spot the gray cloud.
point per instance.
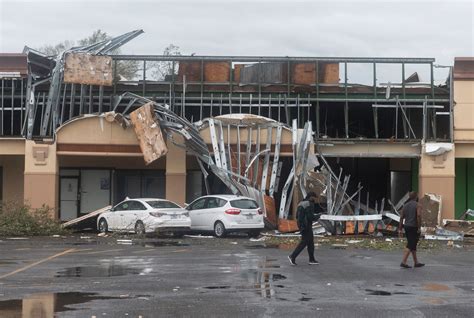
(440, 29)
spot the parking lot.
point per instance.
(86, 276)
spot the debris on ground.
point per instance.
(461, 226)
(87, 219)
(445, 235)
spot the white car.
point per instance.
(226, 213)
(144, 216)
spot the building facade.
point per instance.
(384, 122)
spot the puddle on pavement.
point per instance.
(262, 283)
(361, 256)
(433, 300)
(98, 271)
(281, 246)
(435, 287)
(305, 299)
(378, 292)
(373, 292)
(46, 305)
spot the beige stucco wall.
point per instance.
(436, 175)
(464, 111)
(12, 146)
(41, 176)
(176, 173)
(95, 130)
(13, 167)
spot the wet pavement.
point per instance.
(232, 277)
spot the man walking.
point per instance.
(411, 214)
(305, 217)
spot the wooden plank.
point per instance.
(237, 69)
(303, 73)
(83, 68)
(191, 69)
(87, 216)
(270, 210)
(330, 75)
(148, 131)
(216, 72)
(287, 226)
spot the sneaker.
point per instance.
(404, 265)
(313, 262)
(292, 261)
(419, 265)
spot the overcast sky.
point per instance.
(379, 28)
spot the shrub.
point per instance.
(21, 220)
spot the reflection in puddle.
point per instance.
(435, 287)
(262, 283)
(98, 271)
(378, 292)
(46, 305)
(161, 243)
(281, 246)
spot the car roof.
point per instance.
(226, 196)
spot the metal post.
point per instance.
(13, 108)
(3, 106)
(144, 78)
(396, 117)
(21, 107)
(101, 98)
(81, 100)
(72, 101)
(91, 101)
(63, 106)
(346, 106)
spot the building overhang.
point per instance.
(12, 146)
(369, 149)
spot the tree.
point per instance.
(165, 68)
(126, 69)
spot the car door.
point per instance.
(132, 215)
(212, 212)
(196, 213)
(115, 218)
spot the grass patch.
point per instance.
(21, 220)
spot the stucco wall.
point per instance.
(464, 111)
(13, 167)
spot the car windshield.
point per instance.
(162, 204)
(244, 204)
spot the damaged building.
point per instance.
(376, 127)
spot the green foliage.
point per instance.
(21, 220)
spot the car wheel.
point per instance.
(254, 233)
(219, 229)
(103, 226)
(139, 228)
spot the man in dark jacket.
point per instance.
(411, 214)
(305, 217)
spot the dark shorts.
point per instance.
(412, 236)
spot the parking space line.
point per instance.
(144, 251)
(38, 262)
